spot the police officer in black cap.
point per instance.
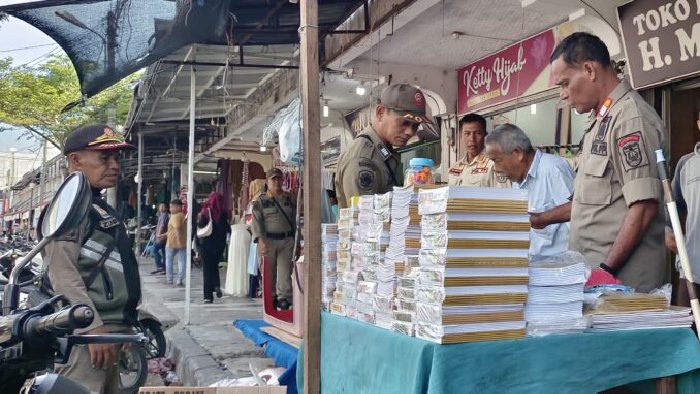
(273, 228)
(94, 264)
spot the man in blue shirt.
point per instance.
(548, 179)
(686, 192)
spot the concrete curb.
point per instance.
(195, 365)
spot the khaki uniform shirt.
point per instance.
(367, 166)
(616, 167)
(479, 172)
(268, 219)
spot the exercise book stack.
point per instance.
(329, 261)
(472, 283)
(635, 311)
(365, 256)
(346, 277)
(404, 200)
(381, 271)
(555, 295)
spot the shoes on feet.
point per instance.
(170, 282)
(157, 271)
(179, 283)
(208, 301)
(283, 305)
(217, 290)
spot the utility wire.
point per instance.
(25, 48)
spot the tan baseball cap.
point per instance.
(405, 100)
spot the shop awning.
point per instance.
(109, 39)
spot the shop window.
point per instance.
(538, 120)
(429, 150)
(578, 126)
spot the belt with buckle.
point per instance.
(279, 235)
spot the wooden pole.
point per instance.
(309, 71)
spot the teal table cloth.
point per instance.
(360, 358)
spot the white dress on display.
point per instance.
(237, 271)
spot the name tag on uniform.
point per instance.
(479, 170)
(457, 170)
(109, 223)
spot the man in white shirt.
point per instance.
(548, 179)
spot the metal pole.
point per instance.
(112, 122)
(139, 180)
(42, 186)
(680, 238)
(190, 197)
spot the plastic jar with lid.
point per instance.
(419, 172)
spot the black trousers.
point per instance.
(210, 271)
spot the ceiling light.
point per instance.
(263, 148)
(203, 172)
(533, 109)
(360, 90)
(325, 109)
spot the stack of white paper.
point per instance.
(329, 260)
(673, 317)
(473, 275)
(555, 299)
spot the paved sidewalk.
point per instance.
(209, 348)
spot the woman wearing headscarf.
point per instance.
(212, 246)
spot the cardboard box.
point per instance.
(214, 390)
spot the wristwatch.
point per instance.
(608, 269)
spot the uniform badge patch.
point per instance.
(101, 211)
(501, 178)
(600, 144)
(632, 151)
(365, 179)
(479, 170)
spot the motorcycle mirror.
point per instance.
(69, 206)
(67, 210)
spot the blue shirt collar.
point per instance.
(532, 172)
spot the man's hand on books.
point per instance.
(601, 277)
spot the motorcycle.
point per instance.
(133, 362)
(33, 339)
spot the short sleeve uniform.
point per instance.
(479, 172)
(616, 167)
(367, 166)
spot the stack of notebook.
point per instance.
(673, 317)
(632, 311)
(555, 295)
(473, 277)
(344, 294)
(329, 261)
(366, 253)
(380, 272)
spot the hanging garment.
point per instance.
(237, 270)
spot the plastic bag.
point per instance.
(287, 124)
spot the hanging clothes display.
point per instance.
(237, 270)
(223, 185)
(245, 184)
(327, 179)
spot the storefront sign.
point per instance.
(661, 39)
(359, 120)
(521, 68)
